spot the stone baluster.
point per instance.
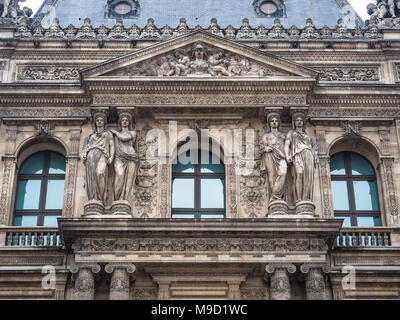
(280, 288)
(120, 280)
(84, 281)
(315, 281)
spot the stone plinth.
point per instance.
(277, 208)
(93, 208)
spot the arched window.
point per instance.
(198, 190)
(354, 190)
(40, 190)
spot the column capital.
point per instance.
(129, 268)
(272, 267)
(305, 268)
(94, 267)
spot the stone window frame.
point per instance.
(44, 177)
(352, 213)
(197, 177)
(367, 149)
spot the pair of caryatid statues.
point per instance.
(111, 162)
(295, 151)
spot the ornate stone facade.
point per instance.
(277, 102)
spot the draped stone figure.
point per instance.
(273, 158)
(98, 154)
(300, 152)
(126, 158)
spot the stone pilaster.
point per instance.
(163, 291)
(234, 291)
(390, 198)
(315, 281)
(280, 283)
(120, 280)
(84, 281)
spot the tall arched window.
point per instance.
(40, 190)
(354, 190)
(198, 190)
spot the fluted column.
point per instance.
(280, 288)
(84, 281)
(120, 280)
(315, 281)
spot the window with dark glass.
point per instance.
(354, 190)
(198, 190)
(40, 190)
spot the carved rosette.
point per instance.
(84, 282)
(120, 280)
(315, 281)
(280, 288)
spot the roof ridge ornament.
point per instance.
(11, 13)
(385, 14)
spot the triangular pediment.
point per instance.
(199, 55)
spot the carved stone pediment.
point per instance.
(199, 55)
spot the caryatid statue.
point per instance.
(273, 158)
(98, 154)
(301, 153)
(126, 159)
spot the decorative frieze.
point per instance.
(48, 73)
(41, 113)
(199, 245)
(196, 99)
(145, 293)
(349, 74)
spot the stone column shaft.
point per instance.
(315, 281)
(280, 285)
(119, 286)
(120, 280)
(84, 285)
(280, 288)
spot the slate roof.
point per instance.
(200, 12)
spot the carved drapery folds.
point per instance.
(84, 281)
(110, 160)
(280, 288)
(292, 156)
(120, 280)
(315, 281)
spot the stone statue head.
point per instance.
(125, 120)
(274, 120)
(198, 51)
(99, 120)
(298, 119)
